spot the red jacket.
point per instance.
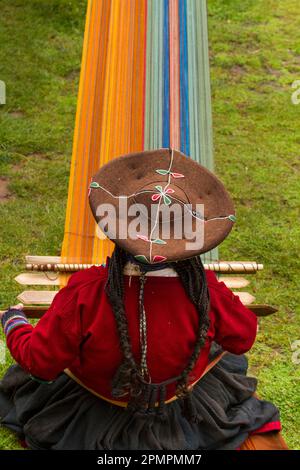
(79, 330)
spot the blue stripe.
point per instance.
(11, 326)
(184, 98)
(166, 83)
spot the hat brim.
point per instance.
(135, 179)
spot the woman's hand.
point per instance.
(18, 307)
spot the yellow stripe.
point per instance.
(96, 129)
(98, 247)
(66, 242)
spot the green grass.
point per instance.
(255, 57)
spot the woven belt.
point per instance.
(124, 404)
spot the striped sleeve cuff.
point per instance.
(13, 318)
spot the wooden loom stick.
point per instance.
(38, 278)
(260, 310)
(35, 297)
(51, 278)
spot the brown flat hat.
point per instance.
(160, 205)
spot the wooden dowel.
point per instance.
(260, 310)
(222, 267)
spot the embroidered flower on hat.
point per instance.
(162, 193)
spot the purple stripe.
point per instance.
(12, 323)
(11, 327)
(14, 318)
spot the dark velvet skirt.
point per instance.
(64, 415)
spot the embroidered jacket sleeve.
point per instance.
(45, 350)
(235, 324)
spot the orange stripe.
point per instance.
(98, 246)
(110, 114)
(117, 80)
(80, 156)
(138, 79)
(83, 136)
(66, 247)
(78, 115)
(84, 156)
(101, 59)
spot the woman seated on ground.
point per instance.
(146, 352)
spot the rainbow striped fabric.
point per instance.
(144, 84)
(13, 318)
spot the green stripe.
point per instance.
(154, 74)
(199, 97)
(199, 92)
(205, 119)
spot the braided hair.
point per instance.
(192, 275)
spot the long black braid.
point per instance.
(192, 275)
(125, 377)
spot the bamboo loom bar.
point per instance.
(221, 266)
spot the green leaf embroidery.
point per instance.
(167, 200)
(158, 241)
(94, 184)
(162, 172)
(232, 218)
(142, 259)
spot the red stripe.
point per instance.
(273, 426)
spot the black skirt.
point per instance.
(64, 415)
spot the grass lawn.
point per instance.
(255, 57)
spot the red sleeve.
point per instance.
(235, 324)
(46, 350)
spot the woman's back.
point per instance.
(81, 333)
